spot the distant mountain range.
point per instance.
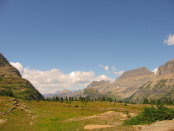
(12, 84)
(62, 93)
(123, 87)
(135, 85)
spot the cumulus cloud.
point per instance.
(155, 70)
(170, 40)
(53, 80)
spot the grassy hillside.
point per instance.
(12, 84)
(18, 87)
(23, 115)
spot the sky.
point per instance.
(66, 44)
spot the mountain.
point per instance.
(121, 88)
(166, 69)
(6, 69)
(160, 87)
(62, 93)
(96, 89)
(12, 84)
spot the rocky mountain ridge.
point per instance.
(6, 69)
(122, 87)
(161, 87)
(167, 68)
(136, 73)
(62, 93)
(12, 84)
(136, 85)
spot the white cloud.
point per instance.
(170, 40)
(54, 80)
(155, 70)
(103, 77)
(18, 66)
(106, 68)
(112, 70)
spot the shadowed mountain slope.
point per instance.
(12, 84)
(160, 87)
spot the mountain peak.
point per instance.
(167, 68)
(136, 72)
(97, 83)
(11, 81)
(6, 69)
(3, 60)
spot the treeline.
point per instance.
(163, 101)
(81, 98)
(166, 101)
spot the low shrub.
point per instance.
(151, 114)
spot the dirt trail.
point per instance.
(105, 115)
(2, 121)
(167, 125)
(92, 127)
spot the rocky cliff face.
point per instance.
(166, 69)
(12, 84)
(160, 87)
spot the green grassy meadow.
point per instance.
(23, 115)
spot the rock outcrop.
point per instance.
(12, 84)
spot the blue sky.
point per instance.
(80, 35)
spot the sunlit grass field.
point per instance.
(54, 116)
